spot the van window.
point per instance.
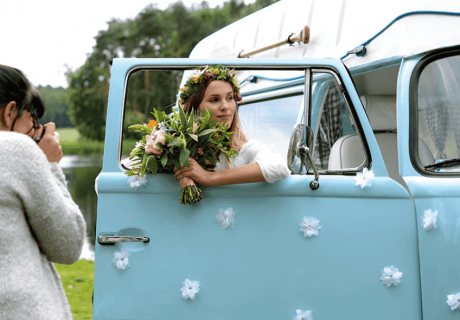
(145, 90)
(271, 122)
(439, 115)
(337, 144)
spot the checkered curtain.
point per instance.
(455, 124)
(437, 121)
(330, 129)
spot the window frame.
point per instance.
(270, 93)
(413, 112)
(359, 131)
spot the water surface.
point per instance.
(81, 172)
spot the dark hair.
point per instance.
(14, 86)
(37, 108)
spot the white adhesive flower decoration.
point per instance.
(136, 181)
(225, 218)
(364, 179)
(309, 226)
(190, 289)
(429, 219)
(453, 301)
(303, 315)
(390, 275)
(120, 259)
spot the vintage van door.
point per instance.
(264, 267)
(430, 122)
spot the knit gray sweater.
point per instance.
(39, 224)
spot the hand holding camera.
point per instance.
(48, 141)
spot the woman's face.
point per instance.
(219, 97)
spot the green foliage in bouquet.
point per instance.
(170, 141)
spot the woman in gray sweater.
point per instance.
(39, 222)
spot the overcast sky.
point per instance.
(42, 37)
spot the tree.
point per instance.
(87, 97)
(56, 107)
(154, 33)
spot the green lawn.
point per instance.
(78, 280)
(74, 144)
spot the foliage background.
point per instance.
(154, 33)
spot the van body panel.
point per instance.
(337, 27)
(439, 263)
(263, 267)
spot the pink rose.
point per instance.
(152, 140)
(160, 137)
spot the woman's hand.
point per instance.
(49, 145)
(195, 172)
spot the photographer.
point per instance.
(39, 222)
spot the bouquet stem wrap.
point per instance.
(190, 193)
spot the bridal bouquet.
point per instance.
(170, 140)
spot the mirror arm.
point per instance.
(305, 152)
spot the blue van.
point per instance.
(366, 226)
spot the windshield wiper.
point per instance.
(446, 163)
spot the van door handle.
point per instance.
(109, 239)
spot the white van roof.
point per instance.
(338, 26)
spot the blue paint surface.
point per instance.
(264, 267)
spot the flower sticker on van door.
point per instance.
(136, 181)
(429, 219)
(391, 275)
(120, 259)
(364, 179)
(189, 289)
(225, 218)
(309, 226)
(453, 301)
(303, 315)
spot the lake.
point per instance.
(81, 172)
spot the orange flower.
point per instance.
(195, 78)
(151, 124)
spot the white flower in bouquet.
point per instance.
(190, 289)
(390, 275)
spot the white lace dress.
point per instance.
(272, 165)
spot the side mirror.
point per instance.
(299, 155)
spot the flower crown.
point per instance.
(201, 77)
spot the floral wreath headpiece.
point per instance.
(201, 77)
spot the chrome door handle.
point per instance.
(116, 239)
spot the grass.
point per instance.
(78, 280)
(73, 143)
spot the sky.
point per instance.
(44, 38)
